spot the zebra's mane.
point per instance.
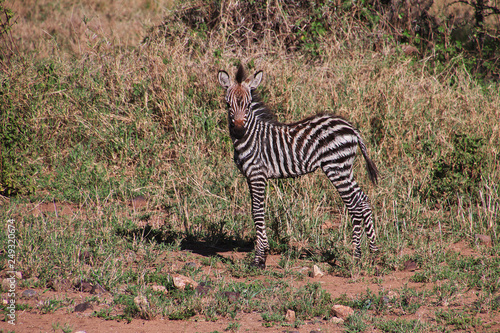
(261, 110)
(240, 74)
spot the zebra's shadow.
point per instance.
(216, 245)
(226, 250)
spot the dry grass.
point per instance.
(98, 118)
(166, 89)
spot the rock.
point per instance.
(141, 302)
(181, 282)
(59, 285)
(19, 275)
(484, 239)
(410, 50)
(28, 293)
(232, 296)
(82, 307)
(391, 294)
(290, 316)
(97, 289)
(159, 289)
(410, 266)
(336, 320)
(316, 272)
(202, 289)
(84, 286)
(190, 265)
(80, 332)
(342, 311)
(9, 284)
(139, 202)
(86, 257)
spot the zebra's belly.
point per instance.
(292, 171)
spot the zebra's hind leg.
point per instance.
(257, 187)
(358, 207)
(369, 228)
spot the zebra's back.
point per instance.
(291, 150)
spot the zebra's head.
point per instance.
(239, 98)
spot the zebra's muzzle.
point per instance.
(237, 129)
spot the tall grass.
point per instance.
(100, 109)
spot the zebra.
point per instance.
(265, 149)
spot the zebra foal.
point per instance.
(265, 148)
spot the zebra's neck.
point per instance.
(260, 111)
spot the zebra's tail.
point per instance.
(370, 166)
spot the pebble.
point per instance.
(181, 282)
(159, 289)
(317, 273)
(290, 316)
(97, 289)
(29, 293)
(232, 296)
(83, 307)
(410, 266)
(342, 311)
(484, 239)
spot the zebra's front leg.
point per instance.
(257, 187)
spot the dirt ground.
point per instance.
(30, 321)
(33, 321)
(66, 319)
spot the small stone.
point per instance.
(232, 296)
(59, 285)
(80, 332)
(159, 289)
(391, 294)
(190, 265)
(342, 311)
(86, 257)
(8, 284)
(82, 307)
(181, 282)
(316, 272)
(336, 320)
(410, 50)
(141, 302)
(410, 266)
(97, 289)
(290, 316)
(484, 239)
(139, 202)
(202, 289)
(84, 286)
(28, 293)
(19, 275)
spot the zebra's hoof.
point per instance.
(259, 265)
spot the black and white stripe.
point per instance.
(265, 148)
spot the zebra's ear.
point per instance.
(255, 81)
(224, 79)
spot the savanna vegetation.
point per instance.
(112, 111)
